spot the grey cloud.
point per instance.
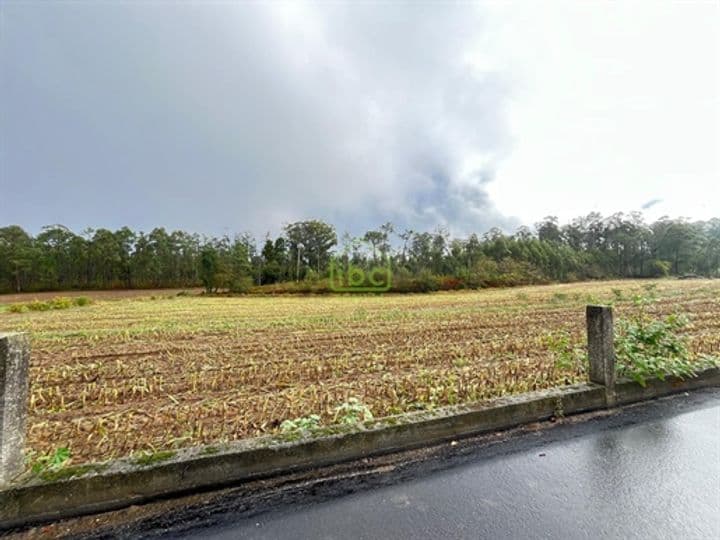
(214, 117)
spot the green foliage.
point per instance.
(567, 355)
(51, 462)
(658, 268)
(353, 411)
(425, 281)
(59, 302)
(589, 247)
(311, 276)
(300, 425)
(647, 347)
(241, 284)
(209, 269)
(309, 245)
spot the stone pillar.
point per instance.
(14, 386)
(601, 349)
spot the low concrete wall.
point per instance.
(124, 482)
(631, 392)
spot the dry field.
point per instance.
(130, 374)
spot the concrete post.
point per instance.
(601, 349)
(14, 387)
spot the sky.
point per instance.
(225, 117)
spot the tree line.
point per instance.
(588, 247)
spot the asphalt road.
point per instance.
(649, 472)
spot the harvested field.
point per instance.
(130, 374)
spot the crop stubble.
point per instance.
(135, 374)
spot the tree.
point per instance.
(209, 268)
(374, 238)
(17, 257)
(548, 230)
(620, 245)
(310, 243)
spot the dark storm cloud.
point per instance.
(214, 117)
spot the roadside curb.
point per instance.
(125, 482)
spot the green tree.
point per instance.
(310, 244)
(210, 268)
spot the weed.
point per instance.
(303, 424)
(51, 462)
(353, 411)
(567, 355)
(460, 362)
(648, 348)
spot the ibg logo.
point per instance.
(355, 279)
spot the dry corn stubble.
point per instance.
(134, 374)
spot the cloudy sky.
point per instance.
(227, 117)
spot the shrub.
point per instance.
(321, 286)
(59, 302)
(37, 305)
(241, 284)
(449, 283)
(658, 268)
(425, 281)
(311, 276)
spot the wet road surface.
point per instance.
(649, 472)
